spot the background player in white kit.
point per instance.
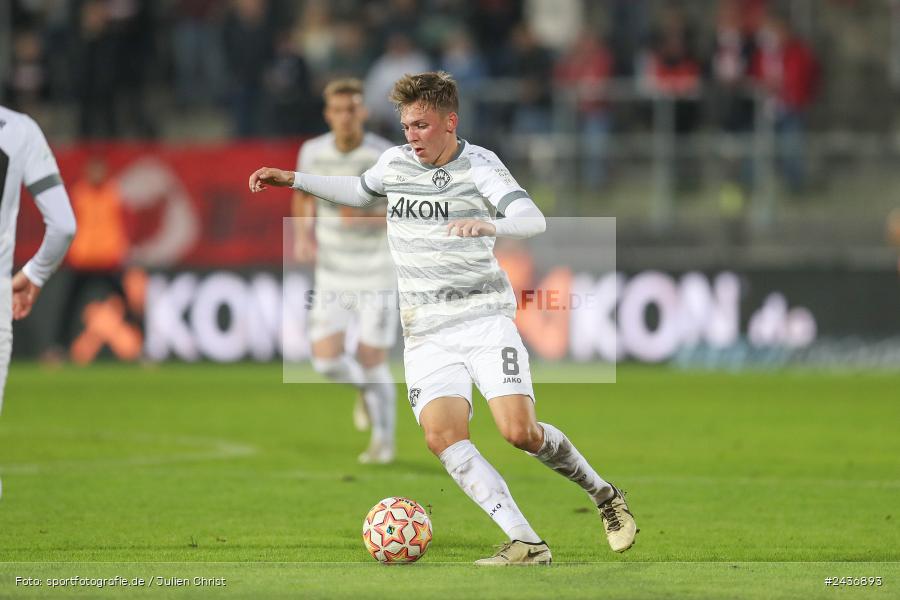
(26, 158)
(354, 275)
(444, 197)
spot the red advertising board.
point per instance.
(185, 205)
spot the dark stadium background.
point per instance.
(659, 114)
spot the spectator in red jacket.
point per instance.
(671, 72)
(585, 68)
(786, 68)
(733, 49)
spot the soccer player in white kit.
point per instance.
(25, 157)
(445, 197)
(354, 273)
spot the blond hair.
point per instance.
(435, 89)
(348, 85)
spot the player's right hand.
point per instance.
(267, 176)
(24, 293)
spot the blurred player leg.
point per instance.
(329, 322)
(330, 360)
(361, 420)
(5, 333)
(380, 396)
(5, 352)
(5, 340)
(378, 333)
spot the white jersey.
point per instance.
(25, 157)
(348, 257)
(444, 280)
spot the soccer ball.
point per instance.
(397, 530)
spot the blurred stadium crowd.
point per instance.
(264, 61)
(570, 91)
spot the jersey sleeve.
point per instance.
(494, 181)
(41, 170)
(372, 181)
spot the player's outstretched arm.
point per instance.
(345, 190)
(46, 187)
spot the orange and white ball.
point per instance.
(397, 530)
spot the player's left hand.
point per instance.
(24, 294)
(471, 228)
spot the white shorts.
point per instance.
(375, 316)
(487, 351)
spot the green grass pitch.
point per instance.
(744, 486)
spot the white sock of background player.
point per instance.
(558, 453)
(482, 483)
(343, 369)
(381, 400)
(379, 395)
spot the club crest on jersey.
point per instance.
(414, 396)
(440, 179)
